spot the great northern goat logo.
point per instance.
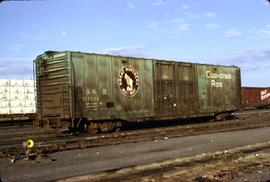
(128, 81)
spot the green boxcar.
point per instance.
(101, 91)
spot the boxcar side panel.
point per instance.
(133, 88)
(219, 88)
(78, 82)
(117, 96)
(186, 89)
(104, 79)
(165, 91)
(52, 80)
(96, 92)
(114, 87)
(255, 96)
(175, 90)
(91, 102)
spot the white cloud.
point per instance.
(64, 34)
(184, 27)
(265, 3)
(16, 67)
(232, 33)
(159, 2)
(201, 16)
(42, 32)
(17, 47)
(210, 14)
(251, 31)
(177, 20)
(212, 26)
(43, 35)
(184, 6)
(39, 38)
(264, 33)
(134, 51)
(254, 65)
(195, 16)
(249, 59)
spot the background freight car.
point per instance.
(17, 100)
(255, 97)
(100, 91)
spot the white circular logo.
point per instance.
(128, 81)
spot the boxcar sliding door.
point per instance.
(174, 89)
(165, 91)
(186, 102)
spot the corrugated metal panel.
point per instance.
(174, 89)
(53, 78)
(219, 88)
(102, 91)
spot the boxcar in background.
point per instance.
(17, 100)
(99, 92)
(255, 97)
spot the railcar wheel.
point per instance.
(82, 126)
(222, 116)
(92, 128)
(107, 126)
(92, 131)
(118, 125)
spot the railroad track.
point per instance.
(10, 120)
(251, 112)
(13, 137)
(60, 142)
(18, 140)
(224, 165)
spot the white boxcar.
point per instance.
(4, 82)
(16, 83)
(29, 83)
(17, 96)
(5, 111)
(29, 90)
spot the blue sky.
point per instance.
(227, 32)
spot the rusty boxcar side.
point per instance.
(103, 90)
(193, 90)
(255, 97)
